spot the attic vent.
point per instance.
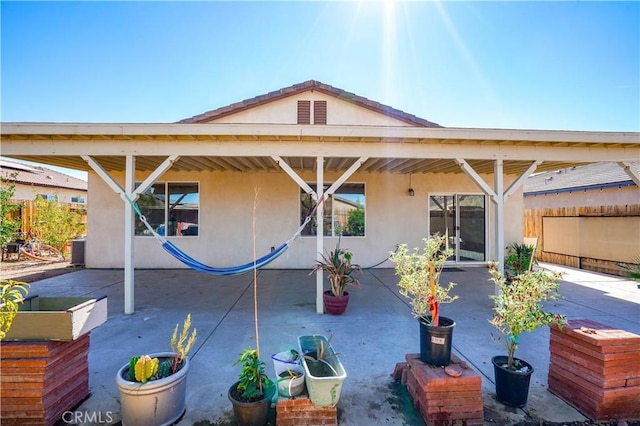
(304, 112)
(320, 112)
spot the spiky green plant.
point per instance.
(337, 264)
(631, 268)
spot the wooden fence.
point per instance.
(534, 227)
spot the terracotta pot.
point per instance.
(335, 305)
(250, 413)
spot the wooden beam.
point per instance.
(626, 166)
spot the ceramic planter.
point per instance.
(435, 342)
(335, 305)
(512, 387)
(324, 391)
(157, 402)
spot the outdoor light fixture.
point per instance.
(411, 191)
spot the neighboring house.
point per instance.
(297, 145)
(586, 216)
(30, 181)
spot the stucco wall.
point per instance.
(226, 203)
(284, 111)
(29, 192)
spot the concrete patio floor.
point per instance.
(372, 336)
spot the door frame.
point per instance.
(456, 260)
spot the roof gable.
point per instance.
(309, 86)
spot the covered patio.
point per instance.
(372, 336)
(127, 159)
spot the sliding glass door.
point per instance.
(462, 218)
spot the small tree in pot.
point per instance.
(419, 271)
(251, 394)
(518, 309)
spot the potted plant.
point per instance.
(337, 264)
(520, 258)
(153, 387)
(251, 394)
(419, 271)
(518, 309)
(289, 373)
(324, 373)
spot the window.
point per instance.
(344, 211)
(49, 197)
(79, 200)
(171, 208)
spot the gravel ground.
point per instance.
(35, 270)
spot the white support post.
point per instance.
(499, 214)
(319, 232)
(626, 166)
(129, 271)
(130, 193)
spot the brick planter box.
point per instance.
(441, 399)
(301, 412)
(41, 380)
(596, 369)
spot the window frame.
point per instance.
(165, 209)
(333, 216)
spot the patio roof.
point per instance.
(249, 147)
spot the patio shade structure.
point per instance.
(154, 149)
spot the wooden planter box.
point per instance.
(596, 369)
(44, 371)
(57, 318)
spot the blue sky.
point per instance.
(526, 65)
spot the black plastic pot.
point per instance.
(512, 387)
(435, 342)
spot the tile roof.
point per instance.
(39, 176)
(307, 86)
(595, 176)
